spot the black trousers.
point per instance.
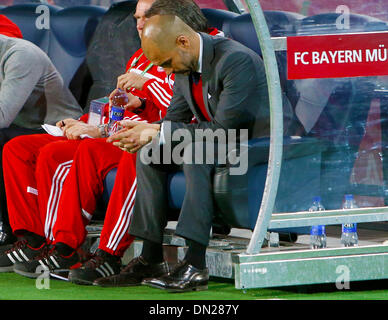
(151, 211)
(7, 134)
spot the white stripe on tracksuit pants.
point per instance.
(121, 227)
(55, 193)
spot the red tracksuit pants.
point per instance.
(53, 185)
(83, 187)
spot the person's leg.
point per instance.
(115, 238)
(6, 134)
(20, 161)
(49, 161)
(151, 205)
(148, 221)
(83, 186)
(197, 212)
(53, 166)
(194, 224)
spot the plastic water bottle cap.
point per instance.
(348, 197)
(317, 199)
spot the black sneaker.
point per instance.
(102, 265)
(49, 260)
(18, 252)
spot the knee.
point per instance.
(198, 173)
(16, 143)
(54, 152)
(17, 147)
(90, 147)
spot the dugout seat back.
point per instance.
(335, 111)
(219, 19)
(26, 17)
(71, 31)
(280, 24)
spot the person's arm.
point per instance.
(22, 71)
(178, 111)
(156, 91)
(159, 93)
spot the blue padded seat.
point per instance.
(280, 24)
(108, 184)
(218, 18)
(25, 16)
(71, 31)
(238, 197)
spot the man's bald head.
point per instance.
(164, 31)
(165, 36)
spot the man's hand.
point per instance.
(66, 123)
(75, 130)
(134, 135)
(133, 101)
(131, 80)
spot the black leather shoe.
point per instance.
(134, 273)
(183, 278)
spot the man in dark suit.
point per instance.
(223, 84)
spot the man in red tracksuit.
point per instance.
(69, 178)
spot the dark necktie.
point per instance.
(195, 77)
(197, 94)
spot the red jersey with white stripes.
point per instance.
(157, 90)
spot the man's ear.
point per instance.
(183, 42)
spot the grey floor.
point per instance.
(368, 233)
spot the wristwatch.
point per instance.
(103, 128)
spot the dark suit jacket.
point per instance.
(234, 91)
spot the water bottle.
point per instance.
(349, 237)
(317, 233)
(119, 101)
